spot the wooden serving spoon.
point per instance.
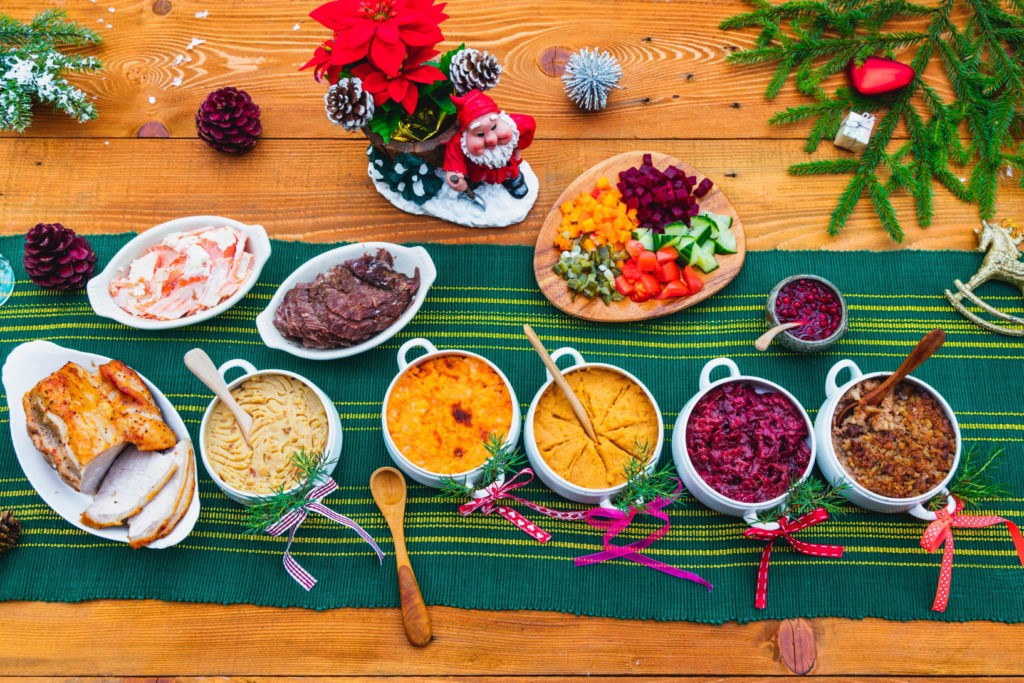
(202, 367)
(765, 339)
(388, 488)
(928, 345)
(556, 374)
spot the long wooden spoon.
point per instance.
(202, 367)
(388, 488)
(928, 345)
(762, 342)
(556, 374)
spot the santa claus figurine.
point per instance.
(488, 147)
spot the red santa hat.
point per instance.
(473, 105)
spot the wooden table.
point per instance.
(306, 180)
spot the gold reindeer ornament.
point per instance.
(1002, 262)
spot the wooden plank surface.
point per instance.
(307, 180)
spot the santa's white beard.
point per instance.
(496, 157)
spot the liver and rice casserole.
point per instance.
(902, 448)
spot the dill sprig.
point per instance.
(978, 45)
(502, 459)
(806, 496)
(642, 486)
(975, 483)
(311, 470)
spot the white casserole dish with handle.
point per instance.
(833, 469)
(332, 448)
(424, 476)
(694, 483)
(556, 482)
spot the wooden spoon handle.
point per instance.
(414, 611)
(928, 345)
(765, 339)
(556, 374)
(202, 367)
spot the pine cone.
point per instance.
(348, 105)
(10, 531)
(474, 69)
(589, 77)
(57, 258)
(228, 120)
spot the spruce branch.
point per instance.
(501, 460)
(976, 482)
(807, 496)
(310, 470)
(643, 487)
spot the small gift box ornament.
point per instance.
(855, 131)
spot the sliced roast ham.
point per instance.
(159, 517)
(131, 482)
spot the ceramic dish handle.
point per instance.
(750, 517)
(921, 512)
(577, 359)
(712, 365)
(418, 342)
(473, 479)
(831, 387)
(245, 365)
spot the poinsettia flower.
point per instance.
(382, 31)
(325, 63)
(404, 86)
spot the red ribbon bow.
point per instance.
(618, 520)
(785, 530)
(941, 531)
(488, 503)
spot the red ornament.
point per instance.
(879, 75)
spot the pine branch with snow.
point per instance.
(32, 68)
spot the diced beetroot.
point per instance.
(660, 197)
(703, 188)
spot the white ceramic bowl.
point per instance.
(414, 471)
(407, 260)
(98, 289)
(833, 470)
(695, 484)
(555, 481)
(332, 450)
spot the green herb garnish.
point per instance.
(311, 470)
(503, 459)
(644, 487)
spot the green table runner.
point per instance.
(482, 297)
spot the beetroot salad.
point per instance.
(747, 446)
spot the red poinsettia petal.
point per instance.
(338, 14)
(398, 88)
(416, 31)
(424, 74)
(387, 57)
(412, 96)
(388, 32)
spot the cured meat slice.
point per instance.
(159, 517)
(133, 480)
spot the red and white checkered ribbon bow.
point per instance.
(941, 531)
(294, 519)
(785, 530)
(488, 503)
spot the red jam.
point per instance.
(814, 303)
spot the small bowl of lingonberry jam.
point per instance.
(813, 301)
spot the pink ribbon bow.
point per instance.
(618, 520)
(785, 530)
(294, 519)
(488, 503)
(941, 531)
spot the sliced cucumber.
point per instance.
(722, 222)
(645, 237)
(677, 229)
(685, 248)
(725, 243)
(666, 240)
(703, 257)
(701, 231)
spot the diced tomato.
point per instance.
(624, 286)
(673, 289)
(667, 253)
(647, 287)
(647, 262)
(667, 272)
(692, 280)
(630, 271)
(634, 248)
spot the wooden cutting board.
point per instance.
(546, 254)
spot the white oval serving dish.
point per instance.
(406, 261)
(332, 449)
(24, 367)
(833, 469)
(426, 477)
(694, 483)
(555, 481)
(98, 288)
